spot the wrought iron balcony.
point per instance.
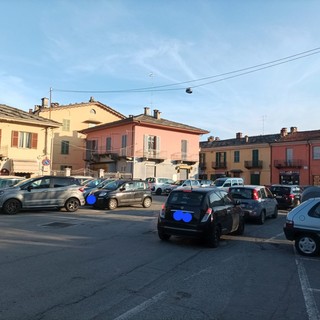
(297, 163)
(257, 164)
(219, 165)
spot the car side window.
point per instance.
(262, 194)
(139, 185)
(227, 184)
(269, 193)
(129, 186)
(315, 211)
(215, 200)
(41, 183)
(61, 182)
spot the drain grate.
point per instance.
(58, 224)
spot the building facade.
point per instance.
(68, 144)
(144, 146)
(25, 141)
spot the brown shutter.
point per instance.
(14, 138)
(34, 140)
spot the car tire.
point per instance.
(147, 202)
(240, 230)
(112, 204)
(275, 213)
(11, 206)
(163, 236)
(262, 217)
(72, 204)
(159, 192)
(307, 245)
(213, 237)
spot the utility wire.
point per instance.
(233, 74)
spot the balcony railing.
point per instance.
(298, 163)
(184, 157)
(151, 154)
(257, 164)
(219, 165)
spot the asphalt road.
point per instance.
(100, 264)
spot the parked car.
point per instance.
(157, 185)
(303, 227)
(310, 192)
(122, 193)
(206, 183)
(84, 179)
(227, 182)
(42, 192)
(9, 181)
(287, 196)
(181, 184)
(205, 213)
(257, 202)
(91, 189)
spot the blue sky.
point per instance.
(115, 46)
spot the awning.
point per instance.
(236, 171)
(30, 166)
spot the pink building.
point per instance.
(144, 146)
(296, 157)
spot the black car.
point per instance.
(205, 213)
(287, 196)
(121, 193)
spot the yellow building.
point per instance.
(24, 142)
(68, 145)
(243, 156)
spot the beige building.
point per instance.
(25, 141)
(68, 145)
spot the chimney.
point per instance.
(239, 135)
(146, 111)
(156, 114)
(45, 103)
(216, 139)
(247, 138)
(283, 132)
(210, 139)
(30, 111)
(91, 99)
(293, 129)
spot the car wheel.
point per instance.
(163, 236)
(146, 202)
(72, 204)
(11, 206)
(240, 229)
(112, 204)
(213, 238)
(158, 191)
(307, 245)
(275, 213)
(262, 218)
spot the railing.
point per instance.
(297, 163)
(256, 164)
(219, 165)
(182, 156)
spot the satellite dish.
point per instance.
(189, 90)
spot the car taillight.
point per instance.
(291, 196)
(255, 195)
(289, 224)
(81, 189)
(207, 215)
(162, 211)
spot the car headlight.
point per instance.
(102, 194)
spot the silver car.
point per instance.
(43, 193)
(303, 227)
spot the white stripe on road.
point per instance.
(311, 306)
(130, 313)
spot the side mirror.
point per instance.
(29, 188)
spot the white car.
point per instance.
(157, 185)
(303, 227)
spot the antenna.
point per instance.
(151, 75)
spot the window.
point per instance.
(316, 153)
(92, 111)
(64, 147)
(108, 144)
(289, 155)
(21, 139)
(236, 156)
(65, 125)
(184, 149)
(124, 145)
(151, 145)
(221, 158)
(255, 157)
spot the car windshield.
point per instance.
(241, 193)
(219, 183)
(186, 198)
(178, 182)
(24, 182)
(114, 185)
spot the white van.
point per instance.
(227, 182)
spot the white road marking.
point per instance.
(137, 309)
(311, 306)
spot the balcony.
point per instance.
(182, 157)
(257, 164)
(219, 165)
(279, 164)
(151, 154)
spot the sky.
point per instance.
(253, 66)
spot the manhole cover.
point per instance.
(58, 224)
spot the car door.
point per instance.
(232, 215)
(139, 188)
(125, 194)
(220, 210)
(268, 200)
(36, 193)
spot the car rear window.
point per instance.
(186, 198)
(241, 193)
(280, 190)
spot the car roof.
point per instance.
(197, 189)
(248, 186)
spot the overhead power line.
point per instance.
(195, 82)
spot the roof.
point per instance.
(57, 107)
(148, 120)
(300, 136)
(241, 141)
(11, 114)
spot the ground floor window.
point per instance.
(289, 178)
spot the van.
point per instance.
(227, 182)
